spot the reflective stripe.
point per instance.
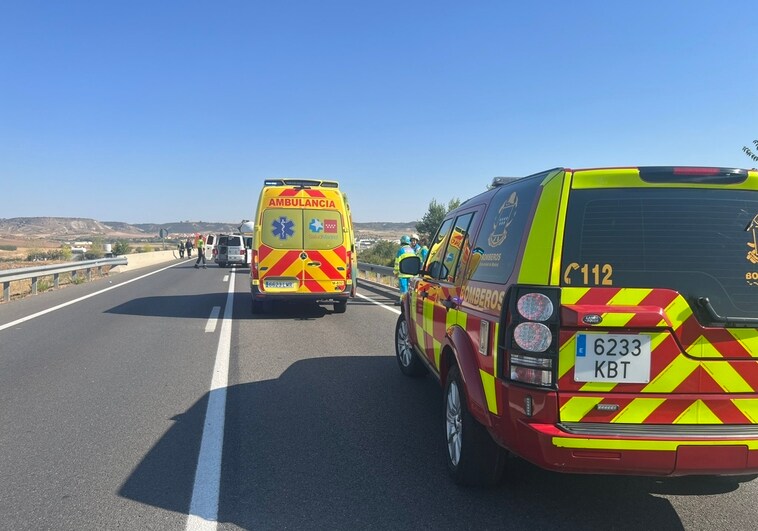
(748, 407)
(538, 253)
(660, 445)
(672, 376)
(488, 384)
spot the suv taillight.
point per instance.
(531, 335)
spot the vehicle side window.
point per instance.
(497, 245)
(434, 262)
(457, 245)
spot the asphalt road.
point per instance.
(103, 409)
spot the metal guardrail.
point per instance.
(377, 273)
(373, 272)
(35, 273)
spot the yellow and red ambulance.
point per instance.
(594, 320)
(303, 246)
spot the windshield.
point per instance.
(699, 242)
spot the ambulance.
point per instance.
(593, 321)
(303, 245)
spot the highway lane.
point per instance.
(102, 407)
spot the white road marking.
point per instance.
(226, 278)
(390, 308)
(203, 513)
(43, 312)
(210, 326)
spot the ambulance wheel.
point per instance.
(340, 306)
(473, 457)
(407, 360)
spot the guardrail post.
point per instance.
(56, 280)
(6, 291)
(89, 274)
(34, 285)
(74, 276)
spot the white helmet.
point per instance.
(414, 236)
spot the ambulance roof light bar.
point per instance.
(301, 183)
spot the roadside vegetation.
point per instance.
(383, 252)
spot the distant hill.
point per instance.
(58, 228)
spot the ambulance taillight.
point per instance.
(349, 273)
(254, 265)
(531, 339)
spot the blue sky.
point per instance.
(161, 111)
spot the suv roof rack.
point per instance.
(500, 181)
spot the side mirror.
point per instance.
(410, 265)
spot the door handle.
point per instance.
(316, 264)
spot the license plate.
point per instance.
(279, 284)
(617, 358)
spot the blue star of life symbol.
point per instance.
(283, 228)
(316, 225)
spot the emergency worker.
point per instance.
(188, 246)
(419, 248)
(200, 252)
(404, 252)
(180, 246)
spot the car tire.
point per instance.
(340, 307)
(407, 359)
(473, 457)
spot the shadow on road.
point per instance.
(346, 443)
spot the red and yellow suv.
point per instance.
(594, 320)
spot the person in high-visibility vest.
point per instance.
(200, 252)
(404, 252)
(419, 248)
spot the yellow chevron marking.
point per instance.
(598, 387)
(572, 295)
(749, 408)
(698, 413)
(726, 376)
(428, 311)
(421, 337)
(677, 312)
(655, 444)
(488, 383)
(748, 338)
(437, 352)
(617, 319)
(451, 318)
(567, 357)
(672, 376)
(638, 410)
(629, 297)
(577, 407)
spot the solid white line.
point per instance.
(203, 513)
(226, 278)
(43, 312)
(390, 308)
(210, 326)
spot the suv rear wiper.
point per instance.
(736, 322)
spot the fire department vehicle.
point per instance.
(303, 245)
(594, 321)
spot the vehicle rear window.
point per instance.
(234, 241)
(699, 242)
(284, 228)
